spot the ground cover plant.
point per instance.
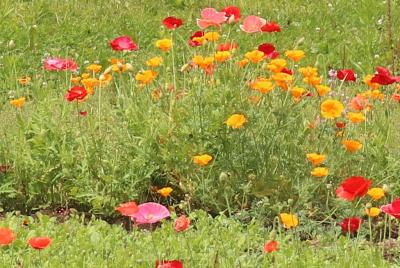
(281, 126)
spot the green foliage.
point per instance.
(98, 244)
(130, 144)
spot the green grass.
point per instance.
(130, 144)
(219, 242)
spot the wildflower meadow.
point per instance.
(182, 133)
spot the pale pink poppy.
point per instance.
(58, 64)
(252, 24)
(150, 213)
(211, 17)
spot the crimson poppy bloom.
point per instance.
(83, 113)
(123, 43)
(172, 22)
(353, 187)
(271, 246)
(76, 93)
(346, 75)
(128, 209)
(169, 264)
(58, 64)
(271, 27)
(6, 236)
(39, 242)
(194, 43)
(392, 209)
(287, 71)
(182, 223)
(232, 14)
(227, 46)
(351, 225)
(383, 77)
(340, 124)
(268, 50)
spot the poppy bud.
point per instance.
(368, 205)
(223, 177)
(11, 44)
(380, 224)
(386, 188)
(129, 67)
(290, 202)
(252, 177)
(272, 235)
(329, 186)
(231, 19)
(108, 70)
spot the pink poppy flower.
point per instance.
(211, 17)
(268, 50)
(172, 23)
(392, 209)
(271, 27)
(123, 43)
(58, 64)
(169, 264)
(232, 14)
(149, 213)
(358, 103)
(252, 24)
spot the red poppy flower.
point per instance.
(39, 242)
(351, 225)
(383, 77)
(353, 187)
(340, 124)
(193, 43)
(232, 14)
(58, 64)
(346, 75)
(271, 246)
(392, 209)
(123, 43)
(83, 113)
(309, 94)
(172, 23)
(6, 236)
(271, 27)
(268, 50)
(287, 71)
(396, 97)
(169, 264)
(227, 46)
(76, 93)
(182, 223)
(5, 168)
(128, 209)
